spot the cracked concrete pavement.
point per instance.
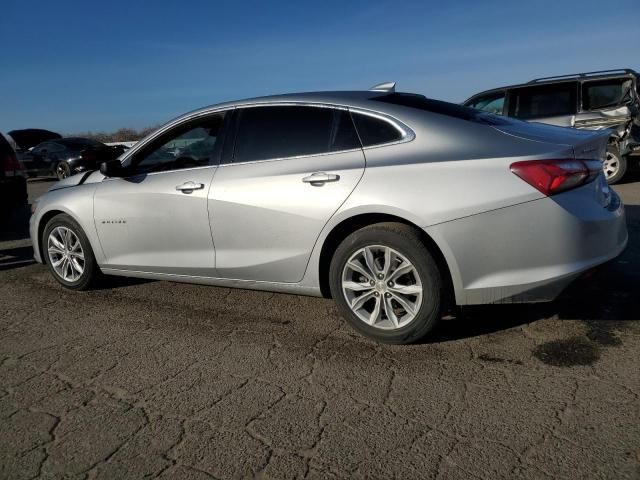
(161, 380)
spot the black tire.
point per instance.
(614, 151)
(406, 241)
(63, 170)
(91, 271)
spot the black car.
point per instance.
(13, 187)
(64, 157)
(593, 100)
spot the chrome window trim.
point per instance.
(407, 134)
(106, 179)
(277, 159)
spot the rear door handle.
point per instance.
(320, 178)
(188, 187)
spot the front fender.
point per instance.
(77, 202)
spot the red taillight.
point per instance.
(555, 176)
(11, 166)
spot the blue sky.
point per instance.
(74, 66)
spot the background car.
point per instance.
(24, 140)
(593, 101)
(13, 186)
(64, 157)
(392, 204)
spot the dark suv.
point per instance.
(595, 100)
(13, 187)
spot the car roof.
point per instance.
(356, 98)
(603, 75)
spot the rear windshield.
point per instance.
(460, 112)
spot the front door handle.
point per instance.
(320, 178)
(188, 187)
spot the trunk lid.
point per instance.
(30, 137)
(586, 145)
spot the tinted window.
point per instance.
(195, 144)
(289, 131)
(493, 103)
(605, 93)
(544, 101)
(374, 131)
(42, 148)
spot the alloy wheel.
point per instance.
(382, 287)
(62, 171)
(66, 254)
(611, 165)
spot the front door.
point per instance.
(292, 168)
(155, 219)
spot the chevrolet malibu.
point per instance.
(390, 203)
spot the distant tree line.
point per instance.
(120, 135)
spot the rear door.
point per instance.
(554, 103)
(291, 169)
(605, 103)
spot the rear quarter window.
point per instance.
(606, 93)
(375, 131)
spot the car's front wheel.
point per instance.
(68, 253)
(615, 165)
(386, 284)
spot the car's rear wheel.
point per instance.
(63, 170)
(615, 165)
(386, 283)
(68, 253)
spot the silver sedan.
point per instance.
(393, 204)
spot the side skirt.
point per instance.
(292, 288)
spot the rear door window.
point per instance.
(605, 93)
(542, 101)
(290, 131)
(493, 103)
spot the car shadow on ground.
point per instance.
(608, 295)
(16, 257)
(42, 179)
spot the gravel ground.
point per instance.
(154, 379)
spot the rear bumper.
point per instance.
(532, 251)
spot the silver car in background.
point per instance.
(392, 204)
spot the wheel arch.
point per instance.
(42, 223)
(349, 225)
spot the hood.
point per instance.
(30, 137)
(77, 179)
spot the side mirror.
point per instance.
(112, 168)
